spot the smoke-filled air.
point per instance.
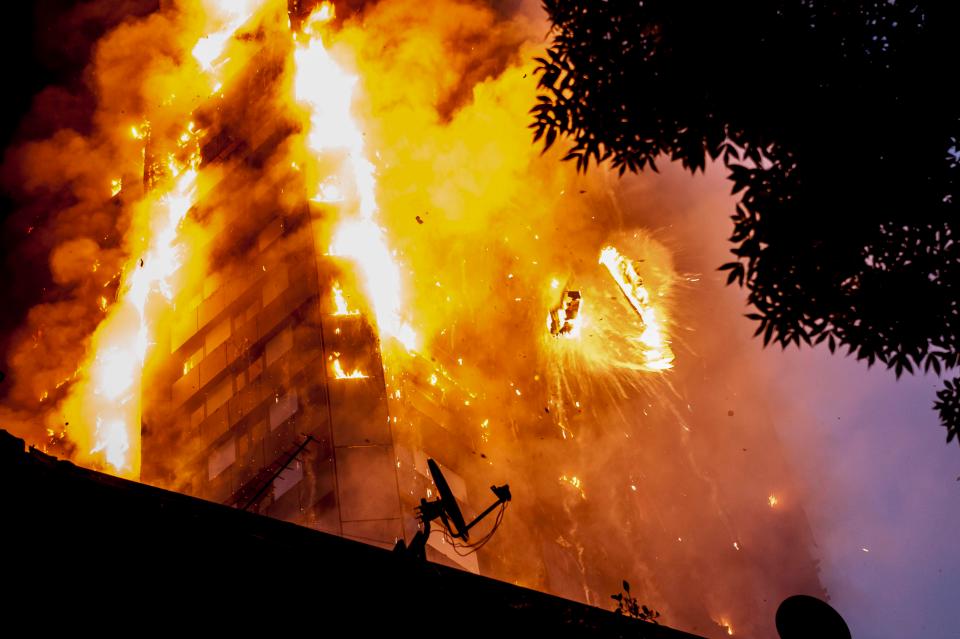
(571, 327)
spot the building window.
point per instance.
(184, 327)
(269, 234)
(194, 302)
(221, 458)
(282, 409)
(197, 417)
(192, 360)
(217, 335)
(256, 367)
(276, 283)
(211, 283)
(219, 394)
(289, 478)
(243, 317)
(243, 445)
(259, 430)
(251, 311)
(280, 344)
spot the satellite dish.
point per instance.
(450, 512)
(447, 510)
(804, 617)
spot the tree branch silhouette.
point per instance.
(837, 125)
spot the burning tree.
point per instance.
(845, 154)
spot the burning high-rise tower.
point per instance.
(272, 396)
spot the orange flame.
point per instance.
(102, 409)
(339, 373)
(327, 91)
(726, 625)
(340, 302)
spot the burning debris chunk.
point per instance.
(624, 273)
(565, 319)
(658, 355)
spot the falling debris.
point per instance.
(624, 272)
(564, 320)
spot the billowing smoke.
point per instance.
(69, 233)
(106, 175)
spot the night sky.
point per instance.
(878, 476)
(869, 452)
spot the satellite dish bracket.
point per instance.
(446, 509)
